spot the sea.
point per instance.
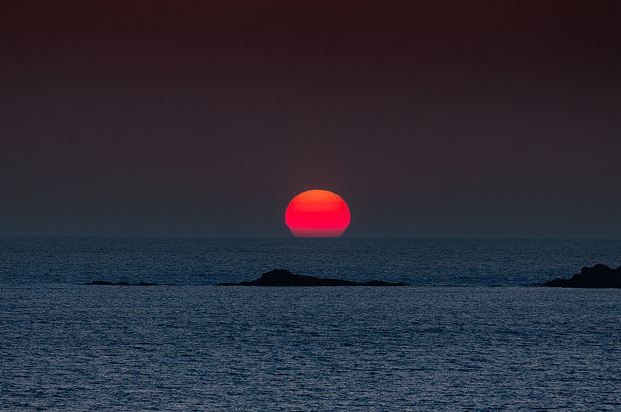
(473, 331)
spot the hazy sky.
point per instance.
(461, 118)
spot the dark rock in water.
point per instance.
(282, 277)
(108, 283)
(598, 276)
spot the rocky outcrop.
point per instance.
(598, 276)
(282, 277)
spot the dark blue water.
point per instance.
(210, 261)
(195, 346)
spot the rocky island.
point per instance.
(598, 276)
(282, 277)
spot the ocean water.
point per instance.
(469, 335)
(210, 261)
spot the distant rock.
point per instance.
(108, 283)
(282, 277)
(598, 276)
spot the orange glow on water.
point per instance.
(317, 213)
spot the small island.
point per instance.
(282, 277)
(108, 283)
(598, 276)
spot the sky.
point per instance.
(201, 118)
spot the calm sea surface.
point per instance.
(210, 261)
(490, 344)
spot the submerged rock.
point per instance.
(108, 283)
(282, 277)
(598, 276)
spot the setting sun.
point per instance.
(317, 213)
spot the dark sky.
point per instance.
(460, 118)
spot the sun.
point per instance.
(317, 213)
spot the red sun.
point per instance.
(317, 213)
